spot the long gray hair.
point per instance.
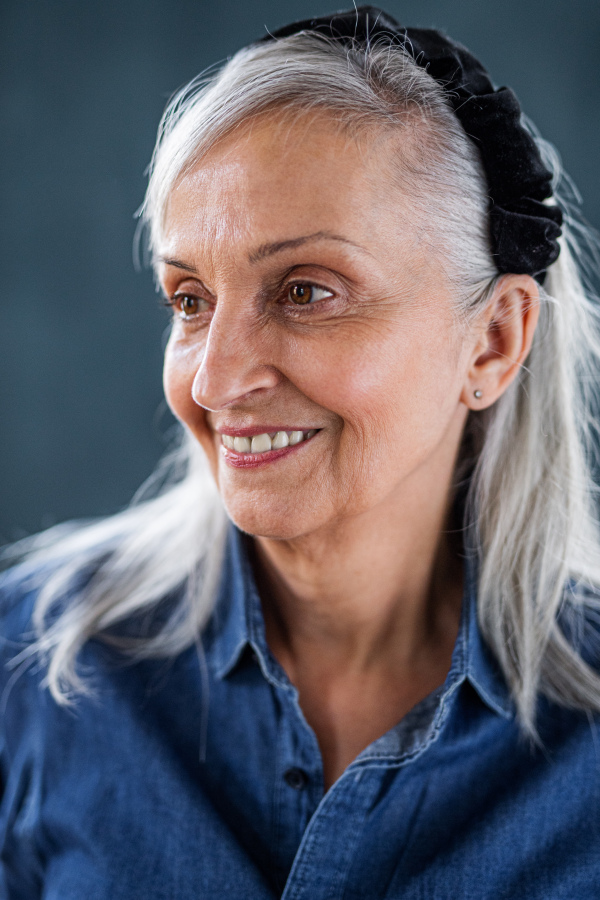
(528, 456)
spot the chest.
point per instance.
(147, 806)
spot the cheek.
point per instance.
(177, 380)
(395, 384)
(180, 367)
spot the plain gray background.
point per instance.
(82, 88)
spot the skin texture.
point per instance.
(360, 585)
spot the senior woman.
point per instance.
(347, 649)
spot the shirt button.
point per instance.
(296, 778)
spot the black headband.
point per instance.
(524, 231)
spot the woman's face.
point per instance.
(308, 300)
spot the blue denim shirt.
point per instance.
(200, 778)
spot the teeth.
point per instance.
(262, 443)
(280, 440)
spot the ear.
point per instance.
(503, 336)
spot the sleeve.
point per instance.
(20, 742)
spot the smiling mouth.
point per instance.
(256, 444)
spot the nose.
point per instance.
(235, 363)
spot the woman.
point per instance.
(348, 649)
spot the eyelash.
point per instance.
(312, 287)
(174, 301)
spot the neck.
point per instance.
(363, 617)
(375, 589)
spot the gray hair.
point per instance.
(530, 488)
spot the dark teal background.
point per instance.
(82, 88)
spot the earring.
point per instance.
(478, 394)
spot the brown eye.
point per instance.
(301, 294)
(187, 304)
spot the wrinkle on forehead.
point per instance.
(264, 183)
(217, 217)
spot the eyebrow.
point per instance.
(269, 249)
(278, 246)
(177, 263)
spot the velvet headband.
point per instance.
(524, 231)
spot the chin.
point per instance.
(279, 522)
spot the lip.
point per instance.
(257, 460)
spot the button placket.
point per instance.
(328, 847)
(298, 779)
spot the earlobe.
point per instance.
(506, 329)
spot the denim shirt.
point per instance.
(199, 777)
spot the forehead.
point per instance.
(277, 174)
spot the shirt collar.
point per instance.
(238, 624)
(228, 632)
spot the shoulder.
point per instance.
(21, 669)
(19, 588)
(24, 695)
(22, 585)
(25, 739)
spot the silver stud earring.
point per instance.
(478, 394)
